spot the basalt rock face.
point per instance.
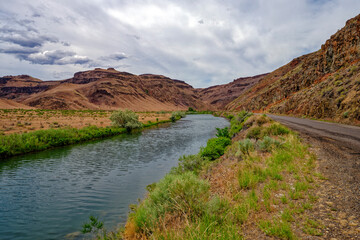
(323, 84)
(103, 89)
(20, 87)
(217, 97)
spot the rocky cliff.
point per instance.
(102, 89)
(217, 97)
(323, 84)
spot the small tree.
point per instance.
(177, 115)
(125, 119)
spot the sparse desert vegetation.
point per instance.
(27, 120)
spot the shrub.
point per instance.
(184, 194)
(125, 119)
(223, 132)
(262, 120)
(276, 129)
(254, 132)
(237, 122)
(243, 115)
(177, 115)
(192, 163)
(245, 147)
(215, 147)
(267, 144)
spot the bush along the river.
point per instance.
(177, 115)
(125, 119)
(237, 122)
(264, 184)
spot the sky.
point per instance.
(204, 42)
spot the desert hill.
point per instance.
(10, 104)
(323, 84)
(102, 89)
(110, 89)
(217, 97)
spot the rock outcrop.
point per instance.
(217, 97)
(102, 89)
(323, 84)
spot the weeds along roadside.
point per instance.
(262, 185)
(21, 143)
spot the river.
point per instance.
(50, 194)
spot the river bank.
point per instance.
(263, 186)
(60, 135)
(39, 191)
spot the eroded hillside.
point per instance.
(217, 97)
(102, 89)
(323, 84)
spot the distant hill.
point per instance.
(102, 89)
(111, 89)
(217, 97)
(323, 84)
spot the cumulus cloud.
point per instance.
(56, 57)
(21, 32)
(202, 42)
(22, 40)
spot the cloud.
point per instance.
(114, 56)
(22, 32)
(56, 57)
(20, 37)
(26, 40)
(203, 42)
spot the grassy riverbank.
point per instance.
(263, 185)
(21, 143)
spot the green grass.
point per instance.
(277, 228)
(237, 122)
(190, 163)
(15, 144)
(215, 147)
(183, 194)
(250, 177)
(312, 227)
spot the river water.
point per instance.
(50, 194)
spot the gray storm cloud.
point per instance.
(202, 42)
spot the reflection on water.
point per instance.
(49, 194)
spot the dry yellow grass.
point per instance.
(21, 120)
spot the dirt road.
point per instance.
(338, 149)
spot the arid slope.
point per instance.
(102, 89)
(109, 89)
(217, 97)
(323, 84)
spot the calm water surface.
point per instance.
(50, 194)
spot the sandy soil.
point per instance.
(21, 120)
